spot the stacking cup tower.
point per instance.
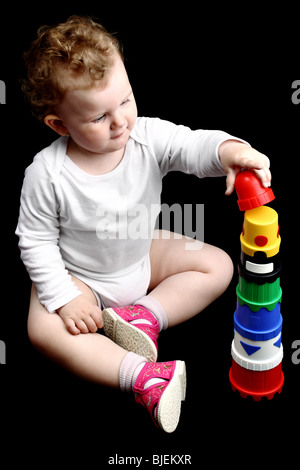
(256, 348)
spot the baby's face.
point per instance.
(99, 120)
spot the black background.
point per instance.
(205, 66)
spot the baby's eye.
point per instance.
(125, 101)
(99, 119)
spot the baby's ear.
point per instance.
(54, 121)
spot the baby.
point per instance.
(89, 257)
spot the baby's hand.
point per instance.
(235, 155)
(81, 316)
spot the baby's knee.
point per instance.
(224, 267)
(39, 322)
(221, 269)
(226, 262)
(36, 333)
(40, 328)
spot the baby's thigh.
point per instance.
(171, 254)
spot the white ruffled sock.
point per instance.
(130, 368)
(153, 305)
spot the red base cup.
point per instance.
(256, 384)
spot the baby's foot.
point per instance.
(160, 387)
(133, 328)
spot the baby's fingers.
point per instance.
(264, 175)
(261, 171)
(230, 181)
(97, 317)
(259, 164)
(77, 325)
(87, 324)
(71, 326)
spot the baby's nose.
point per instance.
(117, 122)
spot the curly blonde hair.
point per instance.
(78, 50)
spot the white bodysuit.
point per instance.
(100, 228)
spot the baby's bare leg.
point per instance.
(90, 356)
(187, 275)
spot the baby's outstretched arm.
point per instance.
(235, 155)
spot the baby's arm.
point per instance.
(235, 155)
(203, 153)
(38, 231)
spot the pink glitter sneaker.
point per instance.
(133, 328)
(160, 387)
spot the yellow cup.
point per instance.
(260, 231)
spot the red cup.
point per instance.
(250, 192)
